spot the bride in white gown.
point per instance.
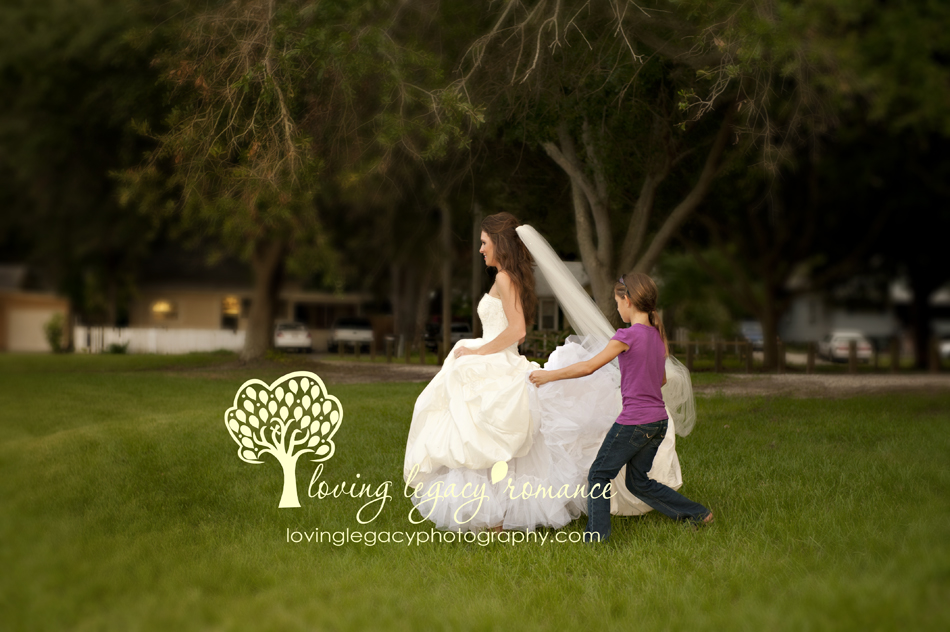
(480, 412)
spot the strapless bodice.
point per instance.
(492, 314)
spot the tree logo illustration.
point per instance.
(292, 417)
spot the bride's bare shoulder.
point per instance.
(502, 285)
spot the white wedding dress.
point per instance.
(481, 410)
(474, 413)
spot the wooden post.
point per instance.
(441, 353)
(718, 357)
(689, 356)
(853, 356)
(389, 351)
(810, 366)
(749, 357)
(780, 346)
(895, 354)
(408, 350)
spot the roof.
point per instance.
(12, 277)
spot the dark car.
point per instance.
(752, 332)
(458, 331)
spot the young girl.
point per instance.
(635, 436)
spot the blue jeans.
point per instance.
(635, 447)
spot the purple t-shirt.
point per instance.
(642, 368)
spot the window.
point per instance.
(164, 311)
(547, 314)
(230, 312)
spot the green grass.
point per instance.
(124, 506)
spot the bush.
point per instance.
(115, 347)
(54, 329)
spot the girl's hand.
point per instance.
(539, 377)
(464, 351)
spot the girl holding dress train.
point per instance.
(641, 428)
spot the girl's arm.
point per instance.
(580, 369)
(514, 332)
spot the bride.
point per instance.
(486, 449)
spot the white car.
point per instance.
(292, 336)
(351, 332)
(836, 346)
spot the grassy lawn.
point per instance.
(123, 506)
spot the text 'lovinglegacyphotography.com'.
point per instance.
(342, 537)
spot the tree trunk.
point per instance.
(769, 337)
(268, 265)
(592, 209)
(422, 307)
(446, 275)
(923, 285)
(477, 268)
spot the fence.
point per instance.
(739, 355)
(160, 341)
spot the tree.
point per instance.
(605, 106)
(850, 150)
(292, 417)
(770, 237)
(273, 103)
(71, 82)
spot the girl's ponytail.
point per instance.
(657, 323)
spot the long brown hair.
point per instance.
(513, 258)
(642, 292)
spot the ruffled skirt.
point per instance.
(487, 448)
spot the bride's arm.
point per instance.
(514, 332)
(580, 369)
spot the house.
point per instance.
(879, 313)
(202, 306)
(182, 304)
(550, 316)
(23, 313)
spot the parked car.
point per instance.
(944, 346)
(293, 337)
(351, 332)
(752, 332)
(458, 331)
(835, 346)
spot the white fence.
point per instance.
(162, 341)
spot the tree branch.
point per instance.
(692, 200)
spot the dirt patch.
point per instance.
(358, 373)
(330, 371)
(334, 371)
(825, 386)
